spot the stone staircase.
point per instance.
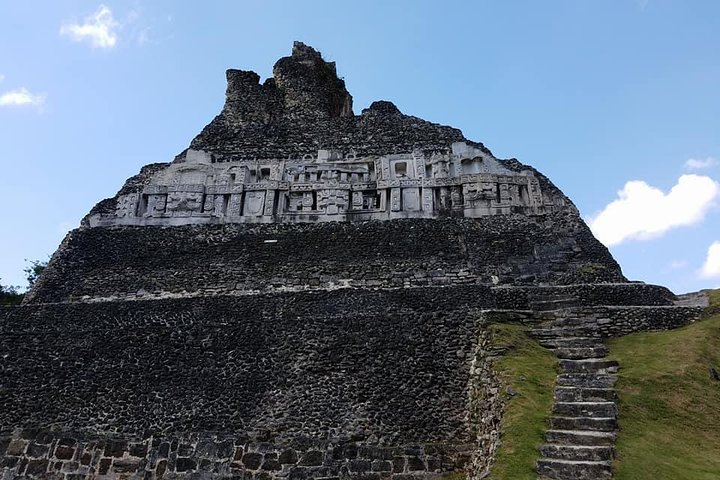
(583, 426)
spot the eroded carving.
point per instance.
(332, 186)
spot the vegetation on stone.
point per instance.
(527, 371)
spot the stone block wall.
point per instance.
(394, 383)
(315, 364)
(325, 383)
(37, 454)
(590, 294)
(147, 262)
(616, 321)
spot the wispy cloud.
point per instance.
(21, 97)
(698, 164)
(2, 77)
(675, 264)
(711, 267)
(135, 28)
(100, 29)
(642, 211)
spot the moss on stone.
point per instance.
(528, 374)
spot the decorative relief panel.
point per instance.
(334, 187)
(254, 202)
(127, 205)
(182, 204)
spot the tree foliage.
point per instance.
(33, 271)
(9, 295)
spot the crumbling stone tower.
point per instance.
(303, 293)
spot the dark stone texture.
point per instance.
(184, 464)
(104, 466)
(311, 458)
(36, 467)
(415, 464)
(161, 468)
(271, 464)
(288, 457)
(125, 262)
(115, 448)
(64, 453)
(138, 450)
(252, 460)
(167, 355)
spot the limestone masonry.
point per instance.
(305, 293)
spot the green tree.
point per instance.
(33, 271)
(9, 295)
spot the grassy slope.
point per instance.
(670, 406)
(529, 370)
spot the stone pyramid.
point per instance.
(305, 293)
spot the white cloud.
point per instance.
(711, 267)
(99, 29)
(21, 97)
(697, 164)
(643, 211)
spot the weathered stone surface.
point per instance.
(583, 428)
(132, 262)
(166, 357)
(574, 470)
(580, 437)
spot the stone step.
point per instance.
(547, 305)
(580, 394)
(571, 342)
(575, 353)
(598, 424)
(579, 437)
(586, 380)
(582, 453)
(565, 320)
(557, 332)
(591, 365)
(533, 297)
(572, 470)
(547, 333)
(586, 409)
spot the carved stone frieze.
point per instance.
(332, 186)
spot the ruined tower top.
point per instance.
(304, 87)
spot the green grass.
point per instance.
(669, 405)
(714, 300)
(529, 370)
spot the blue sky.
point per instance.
(595, 94)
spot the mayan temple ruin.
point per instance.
(305, 293)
